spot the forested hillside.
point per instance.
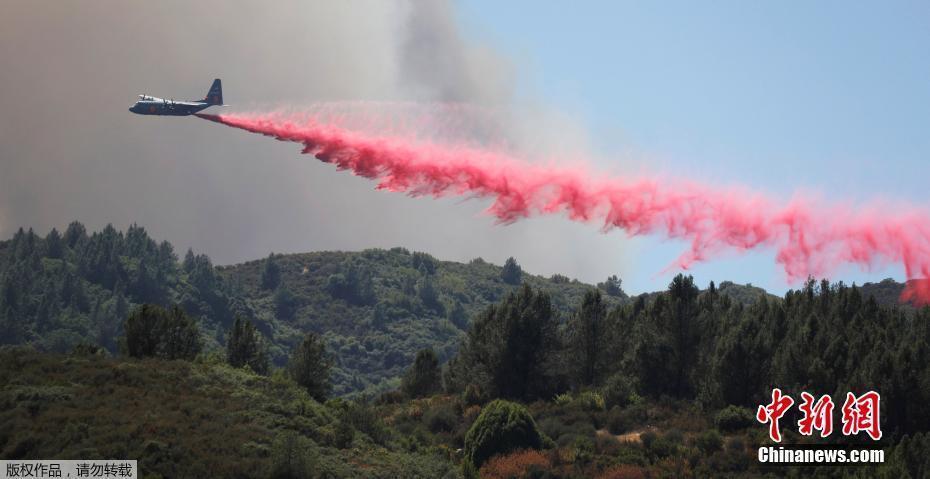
(660, 388)
(375, 308)
(183, 419)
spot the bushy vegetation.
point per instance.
(245, 347)
(373, 309)
(502, 427)
(190, 419)
(547, 379)
(310, 367)
(423, 378)
(152, 331)
(510, 349)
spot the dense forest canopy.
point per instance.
(374, 309)
(447, 357)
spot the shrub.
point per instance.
(590, 401)
(390, 397)
(733, 418)
(623, 420)
(563, 399)
(606, 444)
(619, 420)
(87, 349)
(709, 441)
(441, 419)
(470, 415)
(618, 390)
(625, 471)
(290, 457)
(501, 427)
(567, 425)
(343, 435)
(583, 449)
(631, 453)
(587, 400)
(526, 463)
(472, 395)
(423, 262)
(285, 304)
(660, 447)
(364, 418)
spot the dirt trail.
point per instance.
(632, 436)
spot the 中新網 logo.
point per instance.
(859, 414)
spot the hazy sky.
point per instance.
(784, 96)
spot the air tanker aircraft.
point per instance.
(149, 105)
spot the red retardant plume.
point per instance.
(809, 240)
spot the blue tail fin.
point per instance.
(215, 95)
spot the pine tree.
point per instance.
(151, 331)
(510, 348)
(612, 286)
(458, 316)
(587, 340)
(423, 378)
(511, 272)
(428, 294)
(74, 234)
(310, 366)
(285, 304)
(271, 274)
(245, 347)
(189, 260)
(54, 246)
(181, 336)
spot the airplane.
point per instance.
(149, 105)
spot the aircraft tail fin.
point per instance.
(215, 95)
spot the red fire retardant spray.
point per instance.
(809, 240)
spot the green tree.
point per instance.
(457, 315)
(667, 340)
(285, 303)
(511, 273)
(354, 284)
(74, 234)
(423, 378)
(291, 457)
(189, 261)
(181, 336)
(612, 286)
(54, 245)
(501, 427)
(587, 340)
(510, 348)
(246, 348)
(271, 273)
(151, 331)
(428, 294)
(142, 331)
(310, 366)
(423, 262)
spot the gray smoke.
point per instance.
(69, 149)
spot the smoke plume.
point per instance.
(810, 239)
